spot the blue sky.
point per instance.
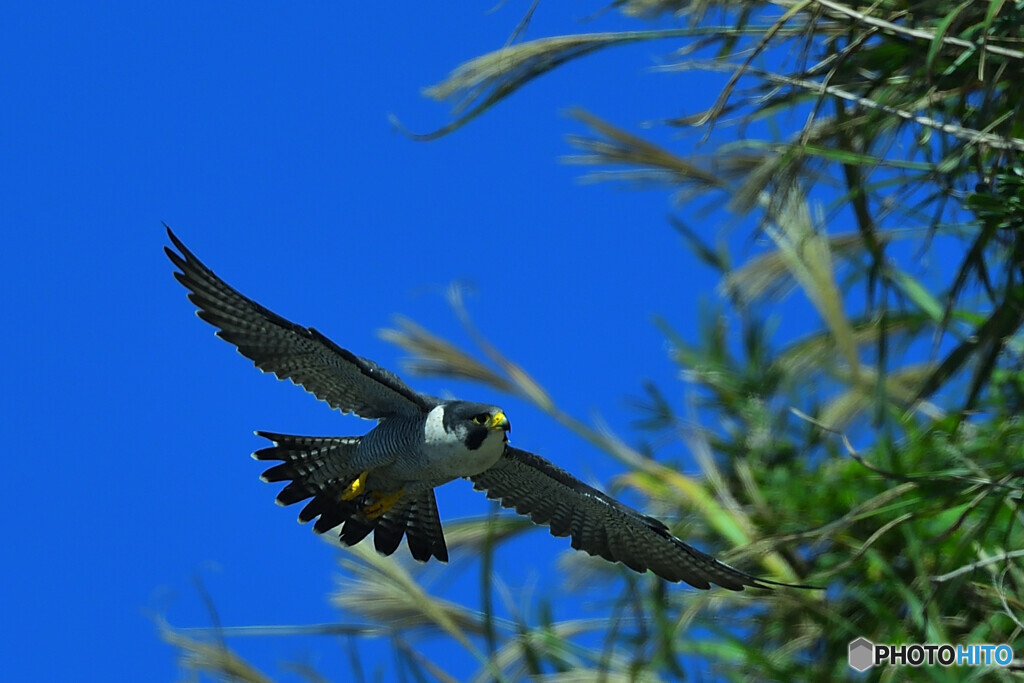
(259, 132)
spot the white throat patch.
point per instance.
(447, 454)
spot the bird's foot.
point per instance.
(381, 503)
(357, 486)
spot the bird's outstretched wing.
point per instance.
(600, 525)
(332, 374)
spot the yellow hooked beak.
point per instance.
(499, 421)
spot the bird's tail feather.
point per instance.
(315, 467)
(312, 464)
(414, 516)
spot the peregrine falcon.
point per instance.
(383, 482)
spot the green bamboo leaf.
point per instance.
(917, 293)
(940, 33)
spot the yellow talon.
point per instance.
(382, 502)
(357, 486)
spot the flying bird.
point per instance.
(383, 482)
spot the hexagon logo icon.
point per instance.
(862, 654)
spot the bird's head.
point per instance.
(475, 423)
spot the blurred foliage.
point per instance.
(895, 210)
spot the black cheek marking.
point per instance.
(448, 418)
(475, 436)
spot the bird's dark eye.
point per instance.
(481, 418)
